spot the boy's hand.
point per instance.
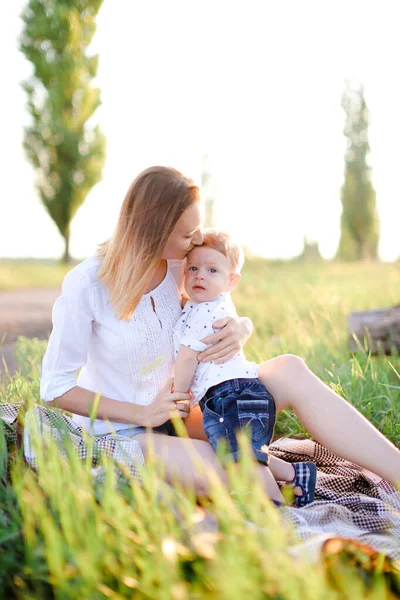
(228, 341)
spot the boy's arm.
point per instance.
(185, 367)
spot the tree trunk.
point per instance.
(377, 331)
(67, 257)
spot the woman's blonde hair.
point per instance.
(152, 206)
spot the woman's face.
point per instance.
(186, 234)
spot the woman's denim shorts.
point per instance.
(167, 429)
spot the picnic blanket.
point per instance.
(350, 502)
(49, 423)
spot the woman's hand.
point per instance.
(167, 405)
(231, 337)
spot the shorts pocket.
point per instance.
(254, 415)
(213, 422)
(214, 408)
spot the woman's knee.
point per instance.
(192, 462)
(282, 366)
(279, 374)
(290, 362)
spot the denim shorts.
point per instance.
(167, 429)
(239, 405)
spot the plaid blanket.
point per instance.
(350, 502)
(49, 423)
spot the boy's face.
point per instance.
(208, 274)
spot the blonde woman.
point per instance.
(114, 323)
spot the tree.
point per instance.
(310, 250)
(208, 192)
(66, 150)
(359, 221)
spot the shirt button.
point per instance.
(221, 420)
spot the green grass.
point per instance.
(15, 274)
(64, 535)
(303, 309)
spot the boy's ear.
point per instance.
(233, 281)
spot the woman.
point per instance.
(114, 321)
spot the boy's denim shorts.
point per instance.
(239, 405)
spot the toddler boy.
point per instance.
(230, 395)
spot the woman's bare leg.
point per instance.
(329, 418)
(193, 463)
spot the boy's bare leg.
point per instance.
(280, 469)
(269, 484)
(283, 471)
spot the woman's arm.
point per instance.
(67, 350)
(232, 335)
(83, 402)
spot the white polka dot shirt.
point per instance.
(195, 324)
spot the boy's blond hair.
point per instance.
(223, 242)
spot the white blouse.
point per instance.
(195, 323)
(129, 361)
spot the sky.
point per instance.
(254, 84)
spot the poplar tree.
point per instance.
(208, 193)
(359, 221)
(65, 148)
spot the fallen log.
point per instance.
(377, 330)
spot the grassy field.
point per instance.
(16, 274)
(63, 535)
(303, 309)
